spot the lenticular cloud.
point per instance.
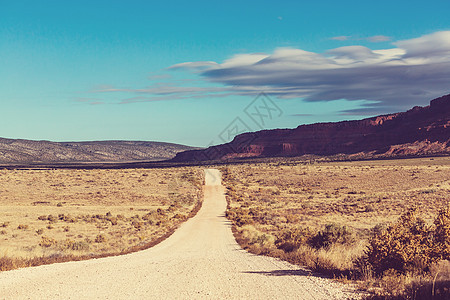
(412, 72)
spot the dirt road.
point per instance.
(200, 260)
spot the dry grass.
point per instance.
(432, 285)
(60, 215)
(282, 209)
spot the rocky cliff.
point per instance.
(419, 131)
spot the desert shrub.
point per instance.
(150, 216)
(291, 239)
(100, 238)
(369, 208)
(75, 245)
(180, 217)
(230, 214)
(392, 283)
(254, 236)
(275, 192)
(67, 218)
(291, 218)
(40, 231)
(231, 193)
(403, 246)
(396, 286)
(188, 199)
(240, 216)
(442, 235)
(137, 224)
(258, 216)
(52, 218)
(47, 242)
(22, 227)
(113, 220)
(242, 220)
(377, 229)
(332, 234)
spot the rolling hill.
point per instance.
(13, 151)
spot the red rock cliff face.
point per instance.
(419, 131)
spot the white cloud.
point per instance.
(412, 73)
(372, 39)
(435, 46)
(194, 65)
(378, 38)
(341, 38)
(353, 54)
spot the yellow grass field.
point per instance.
(48, 213)
(322, 215)
(359, 195)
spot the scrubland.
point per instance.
(382, 224)
(58, 215)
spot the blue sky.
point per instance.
(182, 71)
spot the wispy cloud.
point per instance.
(372, 39)
(197, 65)
(302, 115)
(167, 91)
(160, 77)
(341, 38)
(91, 101)
(378, 38)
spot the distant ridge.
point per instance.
(418, 132)
(13, 151)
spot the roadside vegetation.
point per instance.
(383, 225)
(51, 216)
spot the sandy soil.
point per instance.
(200, 260)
